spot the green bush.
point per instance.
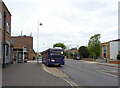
(118, 57)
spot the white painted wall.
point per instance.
(113, 50)
(119, 45)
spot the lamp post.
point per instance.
(39, 24)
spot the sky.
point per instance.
(71, 22)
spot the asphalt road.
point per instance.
(90, 74)
(29, 74)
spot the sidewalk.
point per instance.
(29, 74)
(108, 64)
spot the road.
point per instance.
(86, 73)
(29, 74)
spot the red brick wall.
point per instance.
(21, 41)
(108, 49)
(8, 19)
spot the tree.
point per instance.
(94, 46)
(83, 50)
(59, 45)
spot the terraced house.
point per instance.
(5, 34)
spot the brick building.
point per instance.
(105, 50)
(5, 34)
(110, 49)
(21, 43)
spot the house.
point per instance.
(23, 47)
(5, 34)
(110, 49)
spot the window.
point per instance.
(104, 48)
(8, 27)
(0, 20)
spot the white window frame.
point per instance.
(7, 27)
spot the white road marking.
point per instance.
(107, 73)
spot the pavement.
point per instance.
(29, 74)
(108, 64)
(54, 70)
(103, 63)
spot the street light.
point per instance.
(39, 24)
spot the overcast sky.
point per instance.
(71, 22)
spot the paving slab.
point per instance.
(29, 74)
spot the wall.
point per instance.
(8, 19)
(7, 34)
(119, 47)
(24, 41)
(0, 49)
(113, 49)
(107, 49)
(1, 34)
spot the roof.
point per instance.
(111, 41)
(115, 40)
(21, 36)
(104, 43)
(6, 8)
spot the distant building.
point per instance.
(110, 49)
(74, 50)
(5, 34)
(23, 44)
(71, 52)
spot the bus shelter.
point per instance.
(20, 54)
